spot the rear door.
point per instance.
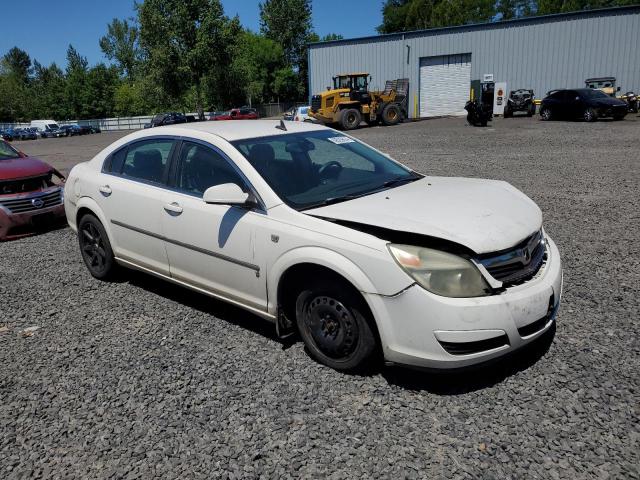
(130, 194)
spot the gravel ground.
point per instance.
(143, 379)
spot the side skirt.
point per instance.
(217, 296)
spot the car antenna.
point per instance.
(282, 126)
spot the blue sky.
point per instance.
(44, 28)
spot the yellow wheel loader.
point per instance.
(350, 102)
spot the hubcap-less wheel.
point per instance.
(332, 327)
(546, 114)
(93, 248)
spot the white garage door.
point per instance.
(445, 82)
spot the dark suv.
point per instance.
(170, 118)
(583, 103)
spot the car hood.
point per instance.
(15, 168)
(483, 215)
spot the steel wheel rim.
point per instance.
(332, 327)
(93, 248)
(392, 114)
(351, 118)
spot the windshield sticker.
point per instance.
(340, 140)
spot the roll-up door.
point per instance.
(445, 82)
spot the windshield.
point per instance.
(310, 169)
(7, 151)
(594, 93)
(53, 126)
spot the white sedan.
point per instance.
(325, 236)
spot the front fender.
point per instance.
(326, 258)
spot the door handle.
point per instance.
(173, 208)
(105, 190)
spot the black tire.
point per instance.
(350, 118)
(532, 110)
(545, 114)
(617, 118)
(333, 322)
(391, 114)
(589, 115)
(507, 112)
(95, 248)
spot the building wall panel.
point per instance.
(541, 53)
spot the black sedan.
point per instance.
(583, 103)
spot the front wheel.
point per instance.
(95, 248)
(350, 119)
(545, 113)
(589, 115)
(334, 325)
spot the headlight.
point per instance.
(440, 272)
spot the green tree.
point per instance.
(406, 15)
(289, 23)
(76, 80)
(18, 63)
(183, 41)
(49, 91)
(98, 95)
(120, 44)
(254, 65)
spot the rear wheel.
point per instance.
(545, 113)
(350, 119)
(391, 114)
(507, 112)
(589, 115)
(334, 325)
(95, 248)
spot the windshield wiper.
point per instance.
(331, 201)
(399, 180)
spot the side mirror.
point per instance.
(225, 194)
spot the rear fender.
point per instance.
(90, 204)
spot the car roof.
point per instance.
(241, 129)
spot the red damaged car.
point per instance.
(238, 114)
(31, 193)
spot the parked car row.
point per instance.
(46, 129)
(11, 134)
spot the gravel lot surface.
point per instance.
(143, 379)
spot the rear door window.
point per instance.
(147, 160)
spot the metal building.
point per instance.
(542, 53)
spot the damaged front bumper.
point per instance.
(22, 213)
(421, 329)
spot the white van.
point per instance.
(46, 128)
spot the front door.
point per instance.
(212, 246)
(131, 196)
